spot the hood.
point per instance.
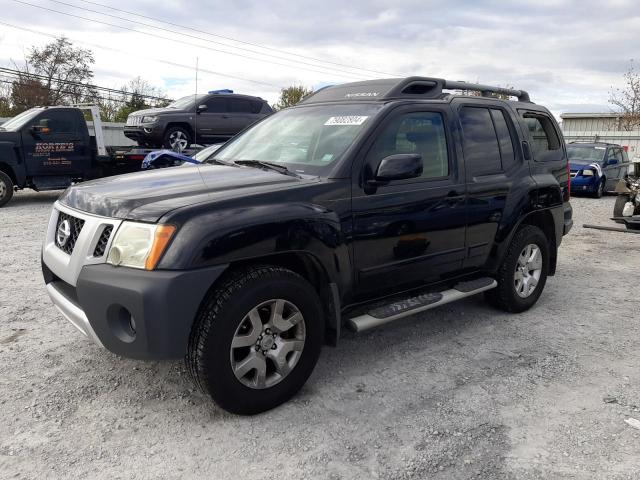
(574, 166)
(147, 196)
(157, 111)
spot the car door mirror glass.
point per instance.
(41, 127)
(202, 108)
(399, 167)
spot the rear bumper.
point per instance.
(133, 313)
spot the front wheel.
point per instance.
(6, 189)
(257, 339)
(523, 273)
(599, 189)
(176, 138)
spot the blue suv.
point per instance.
(596, 167)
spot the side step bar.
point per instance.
(410, 306)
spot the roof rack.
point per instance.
(411, 87)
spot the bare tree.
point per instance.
(291, 95)
(54, 74)
(627, 99)
(138, 91)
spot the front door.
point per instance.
(409, 231)
(215, 122)
(56, 148)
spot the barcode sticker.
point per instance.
(346, 120)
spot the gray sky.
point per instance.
(567, 54)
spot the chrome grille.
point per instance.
(133, 120)
(65, 242)
(101, 246)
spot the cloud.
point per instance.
(566, 53)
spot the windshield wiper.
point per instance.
(268, 165)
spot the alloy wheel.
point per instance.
(528, 270)
(178, 140)
(268, 344)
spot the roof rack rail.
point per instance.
(411, 87)
(487, 90)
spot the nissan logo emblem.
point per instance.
(63, 233)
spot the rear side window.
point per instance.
(480, 142)
(256, 106)
(240, 105)
(544, 138)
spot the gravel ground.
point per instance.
(461, 392)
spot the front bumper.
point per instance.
(133, 313)
(584, 184)
(145, 133)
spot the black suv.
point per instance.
(210, 118)
(366, 203)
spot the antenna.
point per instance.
(195, 105)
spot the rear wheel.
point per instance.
(257, 339)
(177, 138)
(619, 206)
(6, 189)
(523, 273)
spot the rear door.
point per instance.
(244, 112)
(58, 148)
(493, 169)
(409, 231)
(611, 168)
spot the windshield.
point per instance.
(185, 102)
(17, 122)
(305, 139)
(585, 154)
(207, 152)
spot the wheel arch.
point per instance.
(309, 267)
(6, 168)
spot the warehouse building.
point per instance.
(600, 127)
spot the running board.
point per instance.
(410, 306)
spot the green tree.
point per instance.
(291, 95)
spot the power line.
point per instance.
(164, 38)
(204, 39)
(158, 60)
(90, 97)
(186, 27)
(9, 71)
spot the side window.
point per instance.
(416, 132)
(239, 105)
(59, 122)
(544, 139)
(256, 106)
(619, 156)
(480, 142)
(507, 153)
(216, 105)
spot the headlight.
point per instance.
(139, 245)
(149, 119)
(587, 173)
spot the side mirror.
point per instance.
(612, 161)
(201, 108)
(399, 167)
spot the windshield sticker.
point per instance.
(346, 120)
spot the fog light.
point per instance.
(121, 323)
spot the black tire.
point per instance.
(6, 189)
(221, 314)
(504, 296)
(182, 132)
(600, 189)
(619, 206)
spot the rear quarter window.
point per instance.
(543, 137)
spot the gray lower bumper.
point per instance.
(71, 311)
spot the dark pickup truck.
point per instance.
(49, 148)
(364, 204)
